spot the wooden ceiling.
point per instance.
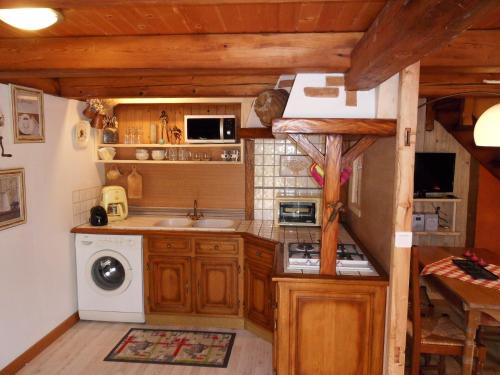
(113, 48)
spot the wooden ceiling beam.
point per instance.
(474, 48)
(169, 86)
(47, 85)
(430, 90)
(74, 4)
(180, 52)
(379, 127)
(404, 32)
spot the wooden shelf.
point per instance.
(429, 200)
(133, 161)
(444, 232)
(184, 145)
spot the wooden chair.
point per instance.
(436, 335)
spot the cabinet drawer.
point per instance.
(216, 246)
(174, 245)
(259, 254)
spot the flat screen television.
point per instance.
(434, 173)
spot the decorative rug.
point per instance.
(174, 347)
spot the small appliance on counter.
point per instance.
(114, 201)
(98, 216)
(298, 211)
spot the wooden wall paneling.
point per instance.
(178, 185)
(402, 219)
(439, 140)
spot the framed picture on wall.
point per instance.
(27, 115)
(12, 198)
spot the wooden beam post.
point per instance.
(402, 215)
(355, 151)
(331, 195)
(405, 31)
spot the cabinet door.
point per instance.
(258, 294)
(217, 286)
(170, 284)
(328, 329)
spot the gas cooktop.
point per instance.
(306, 256)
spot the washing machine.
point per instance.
(110, 277)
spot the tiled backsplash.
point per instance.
(83, 201)
(276, 173)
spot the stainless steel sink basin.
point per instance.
(185, 223)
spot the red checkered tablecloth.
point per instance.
(445, 267)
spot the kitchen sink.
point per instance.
(175, 222)
(203, 224)
(214, 223)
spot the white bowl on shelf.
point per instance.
(106, 153)
(141, 154)
(158, 154)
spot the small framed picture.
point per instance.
(27, 115)
(12, 198)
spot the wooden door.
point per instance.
(217, 285)
(169, 284)
(329, 329)
(258, 294)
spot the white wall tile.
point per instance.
(268, 204)
(268, 181)
(267, 215)
(257, 203)
(259, 170)
(258, 148)
(268, 194)
(269, 159)
(269, 170)
(257, 214)
(258, 194)
(269, 149)
(259, 160)
(258, 181)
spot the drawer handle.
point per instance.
(216, 247)
(169, 246)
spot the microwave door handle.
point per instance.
(221, 129)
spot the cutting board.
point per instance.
(134, 184)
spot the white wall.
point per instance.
(37, 259)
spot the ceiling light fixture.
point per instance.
(30, 18)
(487, 128)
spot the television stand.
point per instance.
(448, 206)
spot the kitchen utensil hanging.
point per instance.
(134, 184)
(113, 173)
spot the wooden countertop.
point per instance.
(261, 229)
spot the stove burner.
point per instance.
(304, 247)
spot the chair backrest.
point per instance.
(415, 308)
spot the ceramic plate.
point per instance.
(82, 133)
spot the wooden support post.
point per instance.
(310, 149)
(355, 151)
(331, 195)
(402, 215)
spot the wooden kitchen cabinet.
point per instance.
(329, 327)
(259, 292)
(217, 285)
(193, 275)
(170, 284)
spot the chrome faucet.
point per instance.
(195, 215)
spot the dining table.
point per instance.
(480, 304)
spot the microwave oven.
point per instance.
(298, 211)
(210, 128)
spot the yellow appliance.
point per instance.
(114, 201)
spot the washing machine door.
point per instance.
(108, 272)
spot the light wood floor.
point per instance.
(81, 351)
